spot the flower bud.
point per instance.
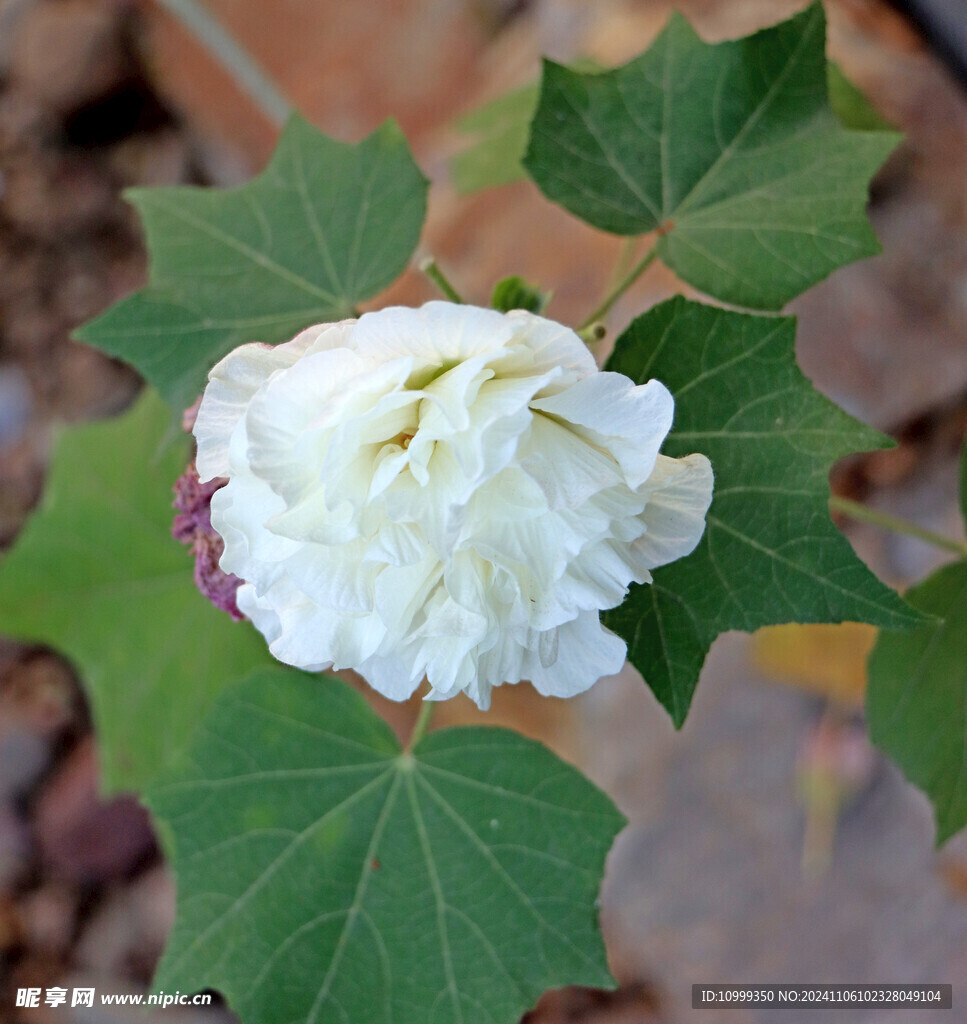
(193, 527)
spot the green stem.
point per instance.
(620, 288)
(432, 270)
(864, 514)
(233, 57)
(623, 263)
(422, 723)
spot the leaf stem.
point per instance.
(431, 268)
(622, 264)
(422, 723)
(864, 514)
(620, 288)
(233, 57)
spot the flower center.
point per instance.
(402, 439)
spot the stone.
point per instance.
(69, 53)
(82, 838)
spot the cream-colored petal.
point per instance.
(390, 676)
(435, 334)
(553, 344)
(290, 418)
(679, 493)
(232, 383)
(609, 410)
(586, 652)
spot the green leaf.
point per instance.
(325, 226)
(770, 553)
(325, 876)
(917, 693)
(502, 127)
(850, 105)
(516, 293)
(96, 574)
(731, 150)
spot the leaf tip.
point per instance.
(296, 118)
(948, 824)
(677, 26)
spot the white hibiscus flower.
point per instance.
(448, 492)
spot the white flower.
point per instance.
(446, 491)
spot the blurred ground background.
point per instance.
(767, 841)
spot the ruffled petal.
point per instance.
(289, 419)
(303, 634)
(437, 333)
(564, 465)
(390, 676)
(554, 345)
(238, 512)
(335, 576)
(679, 494)
(586, 651)
(628, 420)
(232, 383)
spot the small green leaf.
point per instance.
(917, 693)
(96, 574)
(770, 553)
(850, 105)
(325, 876)
(516, 293)
(731, 150)
(502, 127)
(325, 226)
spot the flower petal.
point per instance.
(437, 333)
(612, 412)
(553, 344)
(679, 495)
(586, 652)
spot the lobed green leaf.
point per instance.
(96, 574)
(324, 226)
(770, 553)
(326, 876)
(502, 127)
(917, 693)
(731, 151)
(851, 107)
